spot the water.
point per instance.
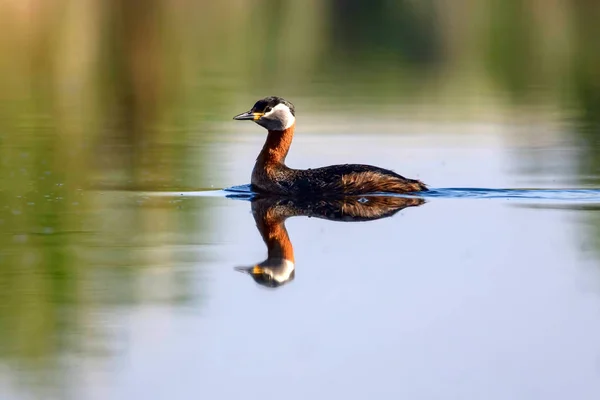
(475, 293)
(559, 195)
(126, 219)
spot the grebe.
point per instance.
(271, 175)
(270, 213)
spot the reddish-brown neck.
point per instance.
(272, 229)
(276, 146)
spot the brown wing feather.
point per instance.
(351, 179)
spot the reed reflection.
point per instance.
(270, 214)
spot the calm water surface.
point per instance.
(462, 298)
(118, 244)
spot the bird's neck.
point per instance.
(275, 236)
(278, 244)
(276, 147)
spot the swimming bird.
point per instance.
(271, 175)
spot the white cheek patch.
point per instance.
(283, 273)
(281, 113)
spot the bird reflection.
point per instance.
(271, 212)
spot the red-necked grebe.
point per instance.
(271, 175)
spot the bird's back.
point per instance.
(351, 179)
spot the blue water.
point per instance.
(553, 195)
(579, 195)
(588, 196)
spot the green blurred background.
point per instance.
(108, 95)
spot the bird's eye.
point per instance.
(267, 109)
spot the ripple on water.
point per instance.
(560, 195)
(584, 196)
